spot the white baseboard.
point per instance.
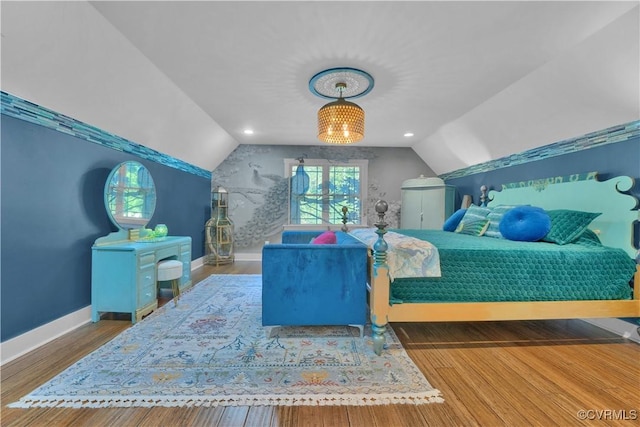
(617, 326)
(249, 257)
(197, 263)
(22, 344)
(31, 340)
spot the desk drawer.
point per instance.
(146, 286)
(146, 260)
(168, 253)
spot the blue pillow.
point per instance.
(452, 222)
(525, 224)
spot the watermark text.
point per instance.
(608, 414)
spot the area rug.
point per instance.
(211, 350)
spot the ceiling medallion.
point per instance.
(341, 121)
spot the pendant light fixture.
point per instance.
(341, 121)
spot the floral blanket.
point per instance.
(407, 256)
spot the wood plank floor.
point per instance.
(490, 374)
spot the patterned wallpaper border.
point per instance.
(541, 184)
(591, 140)
(19, 108)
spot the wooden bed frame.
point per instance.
(614, 228)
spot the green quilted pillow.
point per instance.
(588, 238)
(474, 221)
(568, 225)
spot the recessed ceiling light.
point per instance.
(248, 132)
(408, 134)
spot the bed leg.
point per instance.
(378, 338)
(380, 282)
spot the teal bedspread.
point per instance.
(489, 269)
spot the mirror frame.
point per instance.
(116, 186)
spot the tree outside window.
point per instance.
(319, 189)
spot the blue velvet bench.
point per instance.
(309, 284)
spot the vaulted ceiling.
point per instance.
(473, 81)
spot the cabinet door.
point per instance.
(113, 289)
(433, 208)
(411, 213)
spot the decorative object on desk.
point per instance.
(224, 358)
(134, 234)
(146, 233)
(161, 230)
(219, 230)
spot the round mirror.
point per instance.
(130, 195)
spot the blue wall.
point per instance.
(610, 160)
(52, 210)
(620, 158)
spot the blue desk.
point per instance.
(123, 274)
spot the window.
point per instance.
(318, 190)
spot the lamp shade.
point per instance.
(340, 122)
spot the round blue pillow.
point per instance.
(452, 222)
(525, 224)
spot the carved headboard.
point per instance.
(581, 192)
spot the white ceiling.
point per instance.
(473, 81)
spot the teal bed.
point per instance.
(503, 270)
(488, 279)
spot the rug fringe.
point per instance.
(432, 396)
